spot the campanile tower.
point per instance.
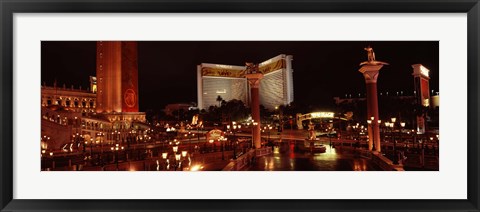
(117, 77)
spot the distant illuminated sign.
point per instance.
(424, 71)
(214, 134)
(222, 72)
(322, 115)
(221, 91)
(224, 66)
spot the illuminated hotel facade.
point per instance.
(229, 82)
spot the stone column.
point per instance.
(370, 72)
(254, 82)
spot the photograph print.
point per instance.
(240, 106)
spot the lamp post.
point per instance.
(254, 125)
(223, 147)
(248, 126)
(164, 157)
(91, 147)
(53, 160)
(268, 138)
(379, 124)
(329, 134)
(177, 160)
(387, 125)
(392, 125)
(234, 140)
(371, 122)
(115, 149)
(184, 155)
(402, 125)
(211, 144)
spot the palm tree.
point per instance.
(219, 100)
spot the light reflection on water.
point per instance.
(332, 159)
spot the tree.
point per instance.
(219, 100)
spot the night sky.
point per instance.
(322, 69)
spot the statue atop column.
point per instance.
(370, 53)
(371, 57)
(251, 68)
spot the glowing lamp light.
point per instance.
(164, 155)
(402, 124)
(177, 156)
(175, 149)
(196, 168)
(184, 153)
(393, 119)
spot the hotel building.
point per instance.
(229, 82)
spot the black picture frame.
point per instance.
(10, 7)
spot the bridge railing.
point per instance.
(383, 162)
(246, 159)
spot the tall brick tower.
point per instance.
(117, 77)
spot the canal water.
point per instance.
(288, 157)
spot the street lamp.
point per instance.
(254, 125)
(268, 138)
(91, 150)
(402, 125)
(53, 160)
(370, 122)
(177, 160)
(223, 146)
(392, 125)
(165, 163)
(234, 141)
(330, 134)
(211, 144)
(116, 148)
